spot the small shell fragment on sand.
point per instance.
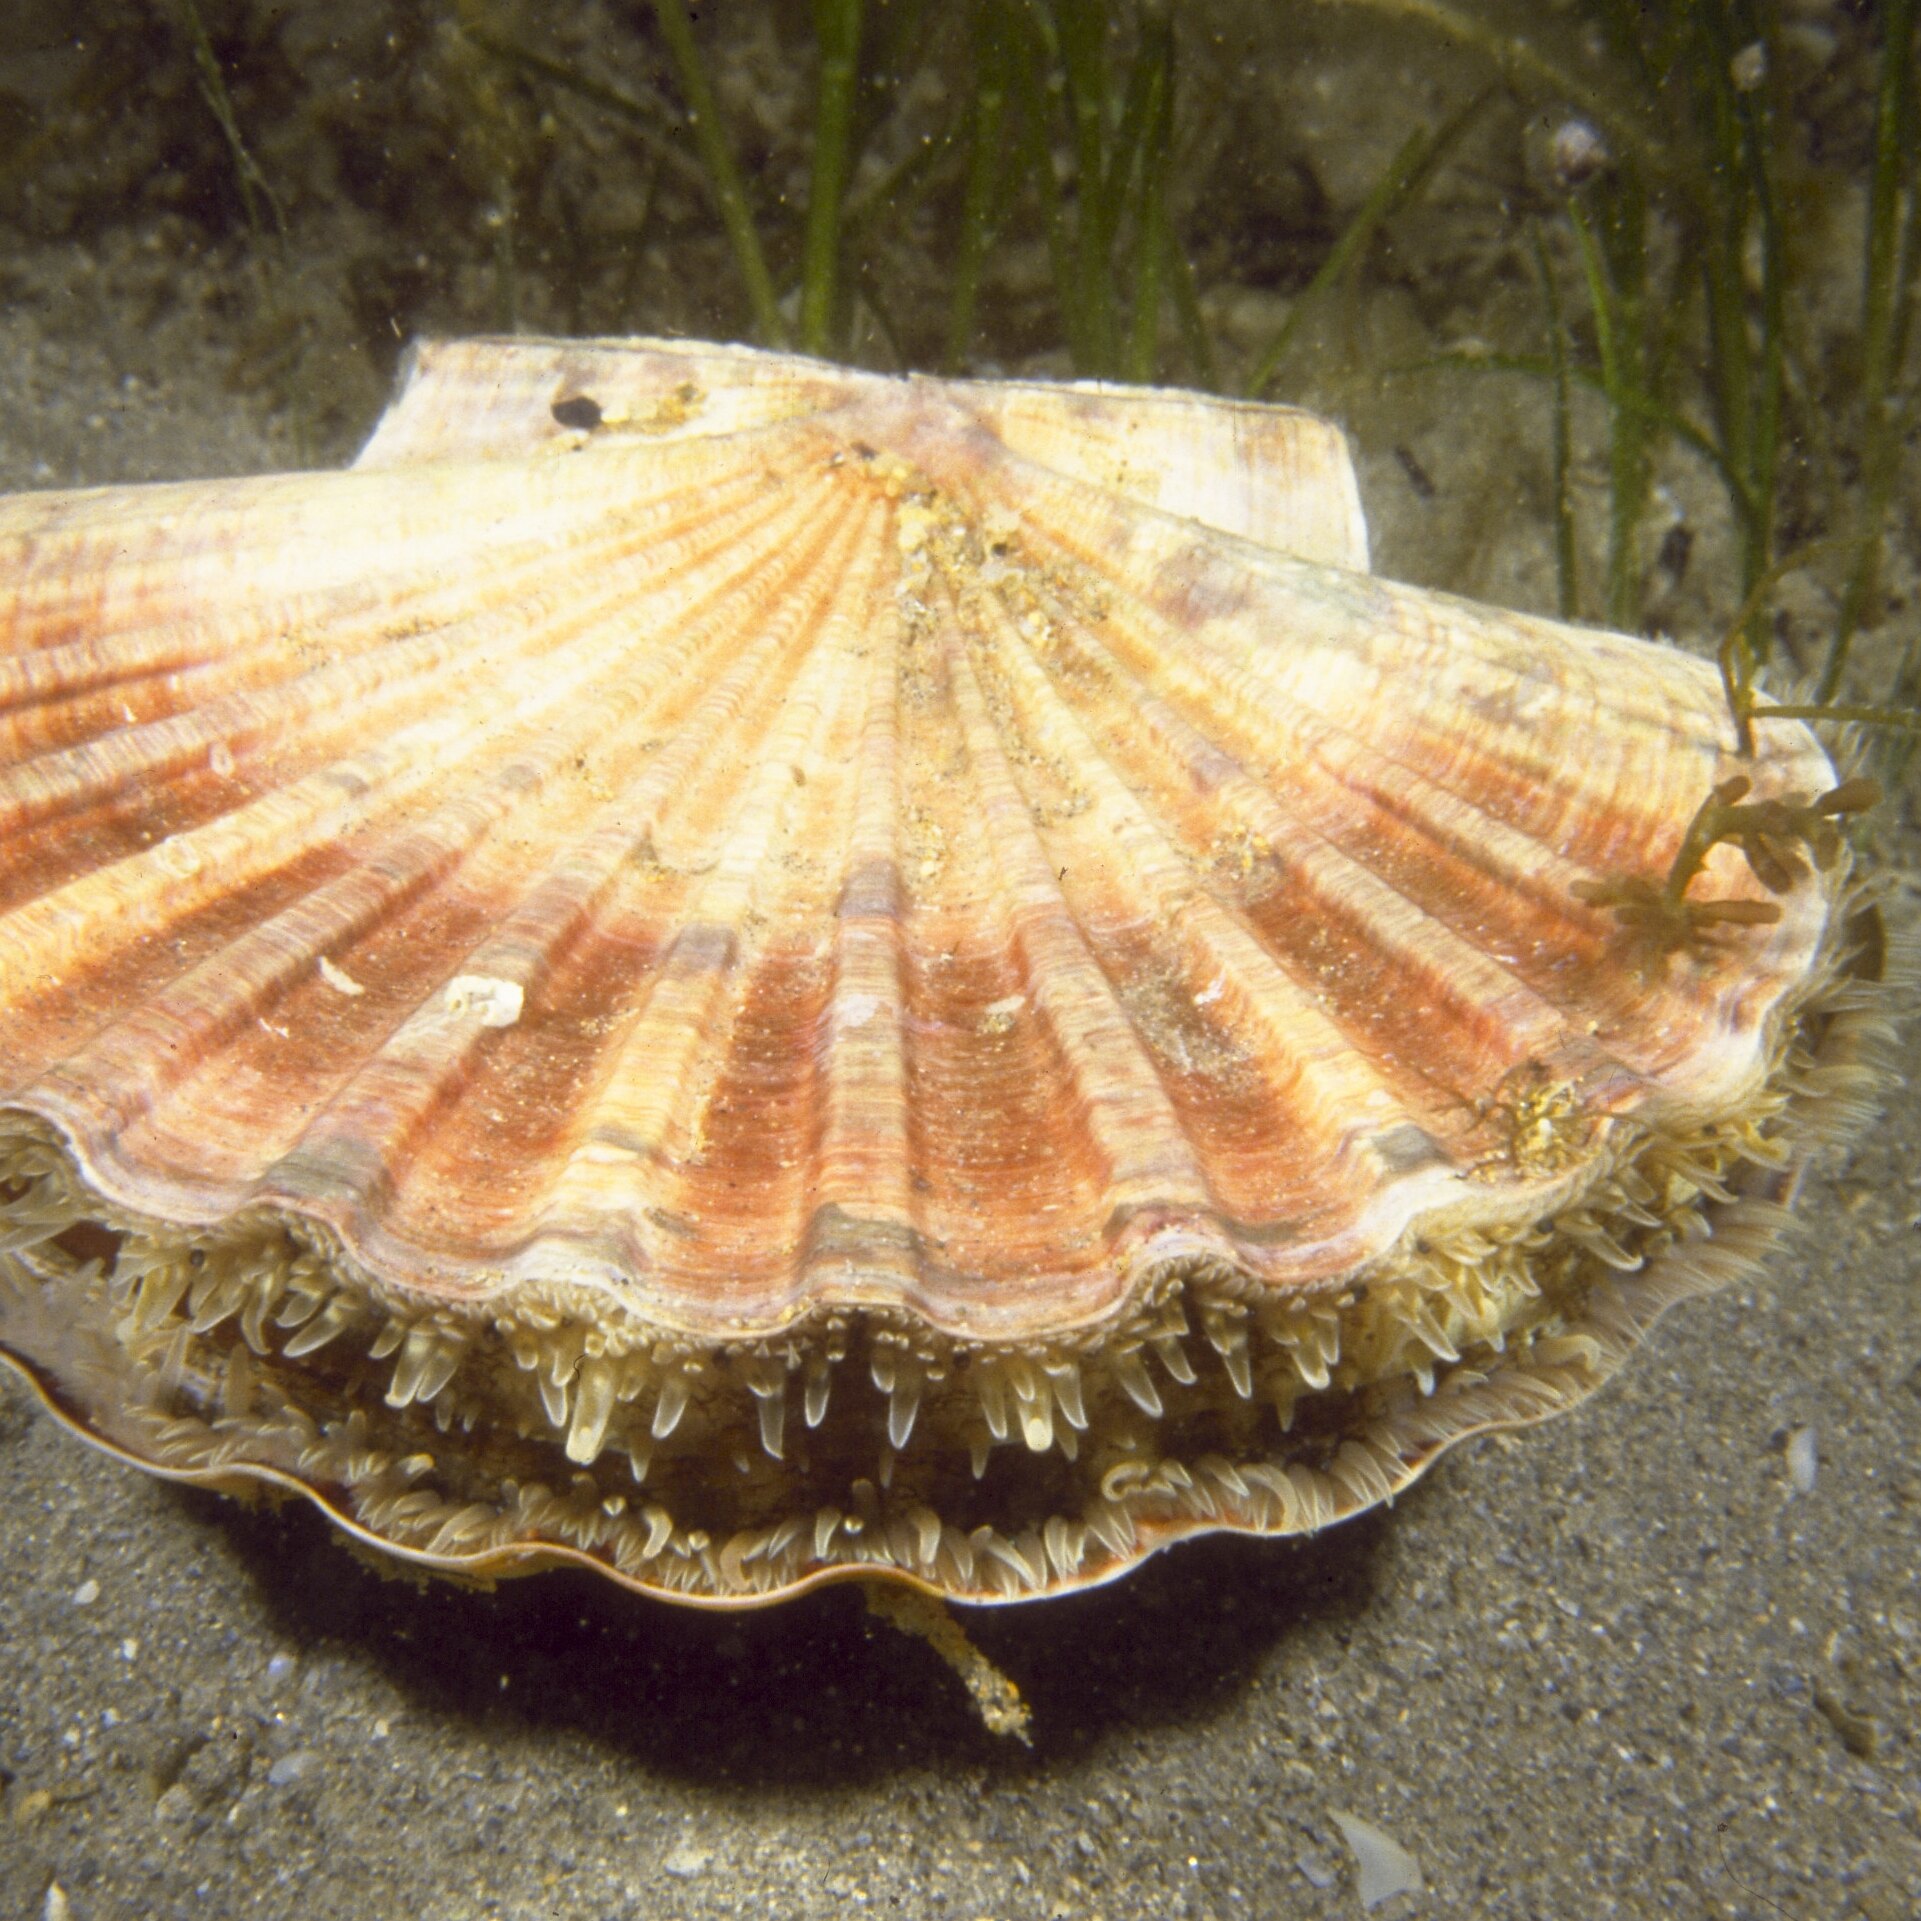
(1383, 1868)
(1803, 1459)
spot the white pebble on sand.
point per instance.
(1804, 1459)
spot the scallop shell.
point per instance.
(745, 974)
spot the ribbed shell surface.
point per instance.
(751, 840)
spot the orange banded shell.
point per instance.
(745, 973)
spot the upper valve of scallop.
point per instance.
(747, 974)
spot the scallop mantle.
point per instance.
(749, 974)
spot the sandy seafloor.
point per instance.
(1616, 1666)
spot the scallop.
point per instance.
(748, 974)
